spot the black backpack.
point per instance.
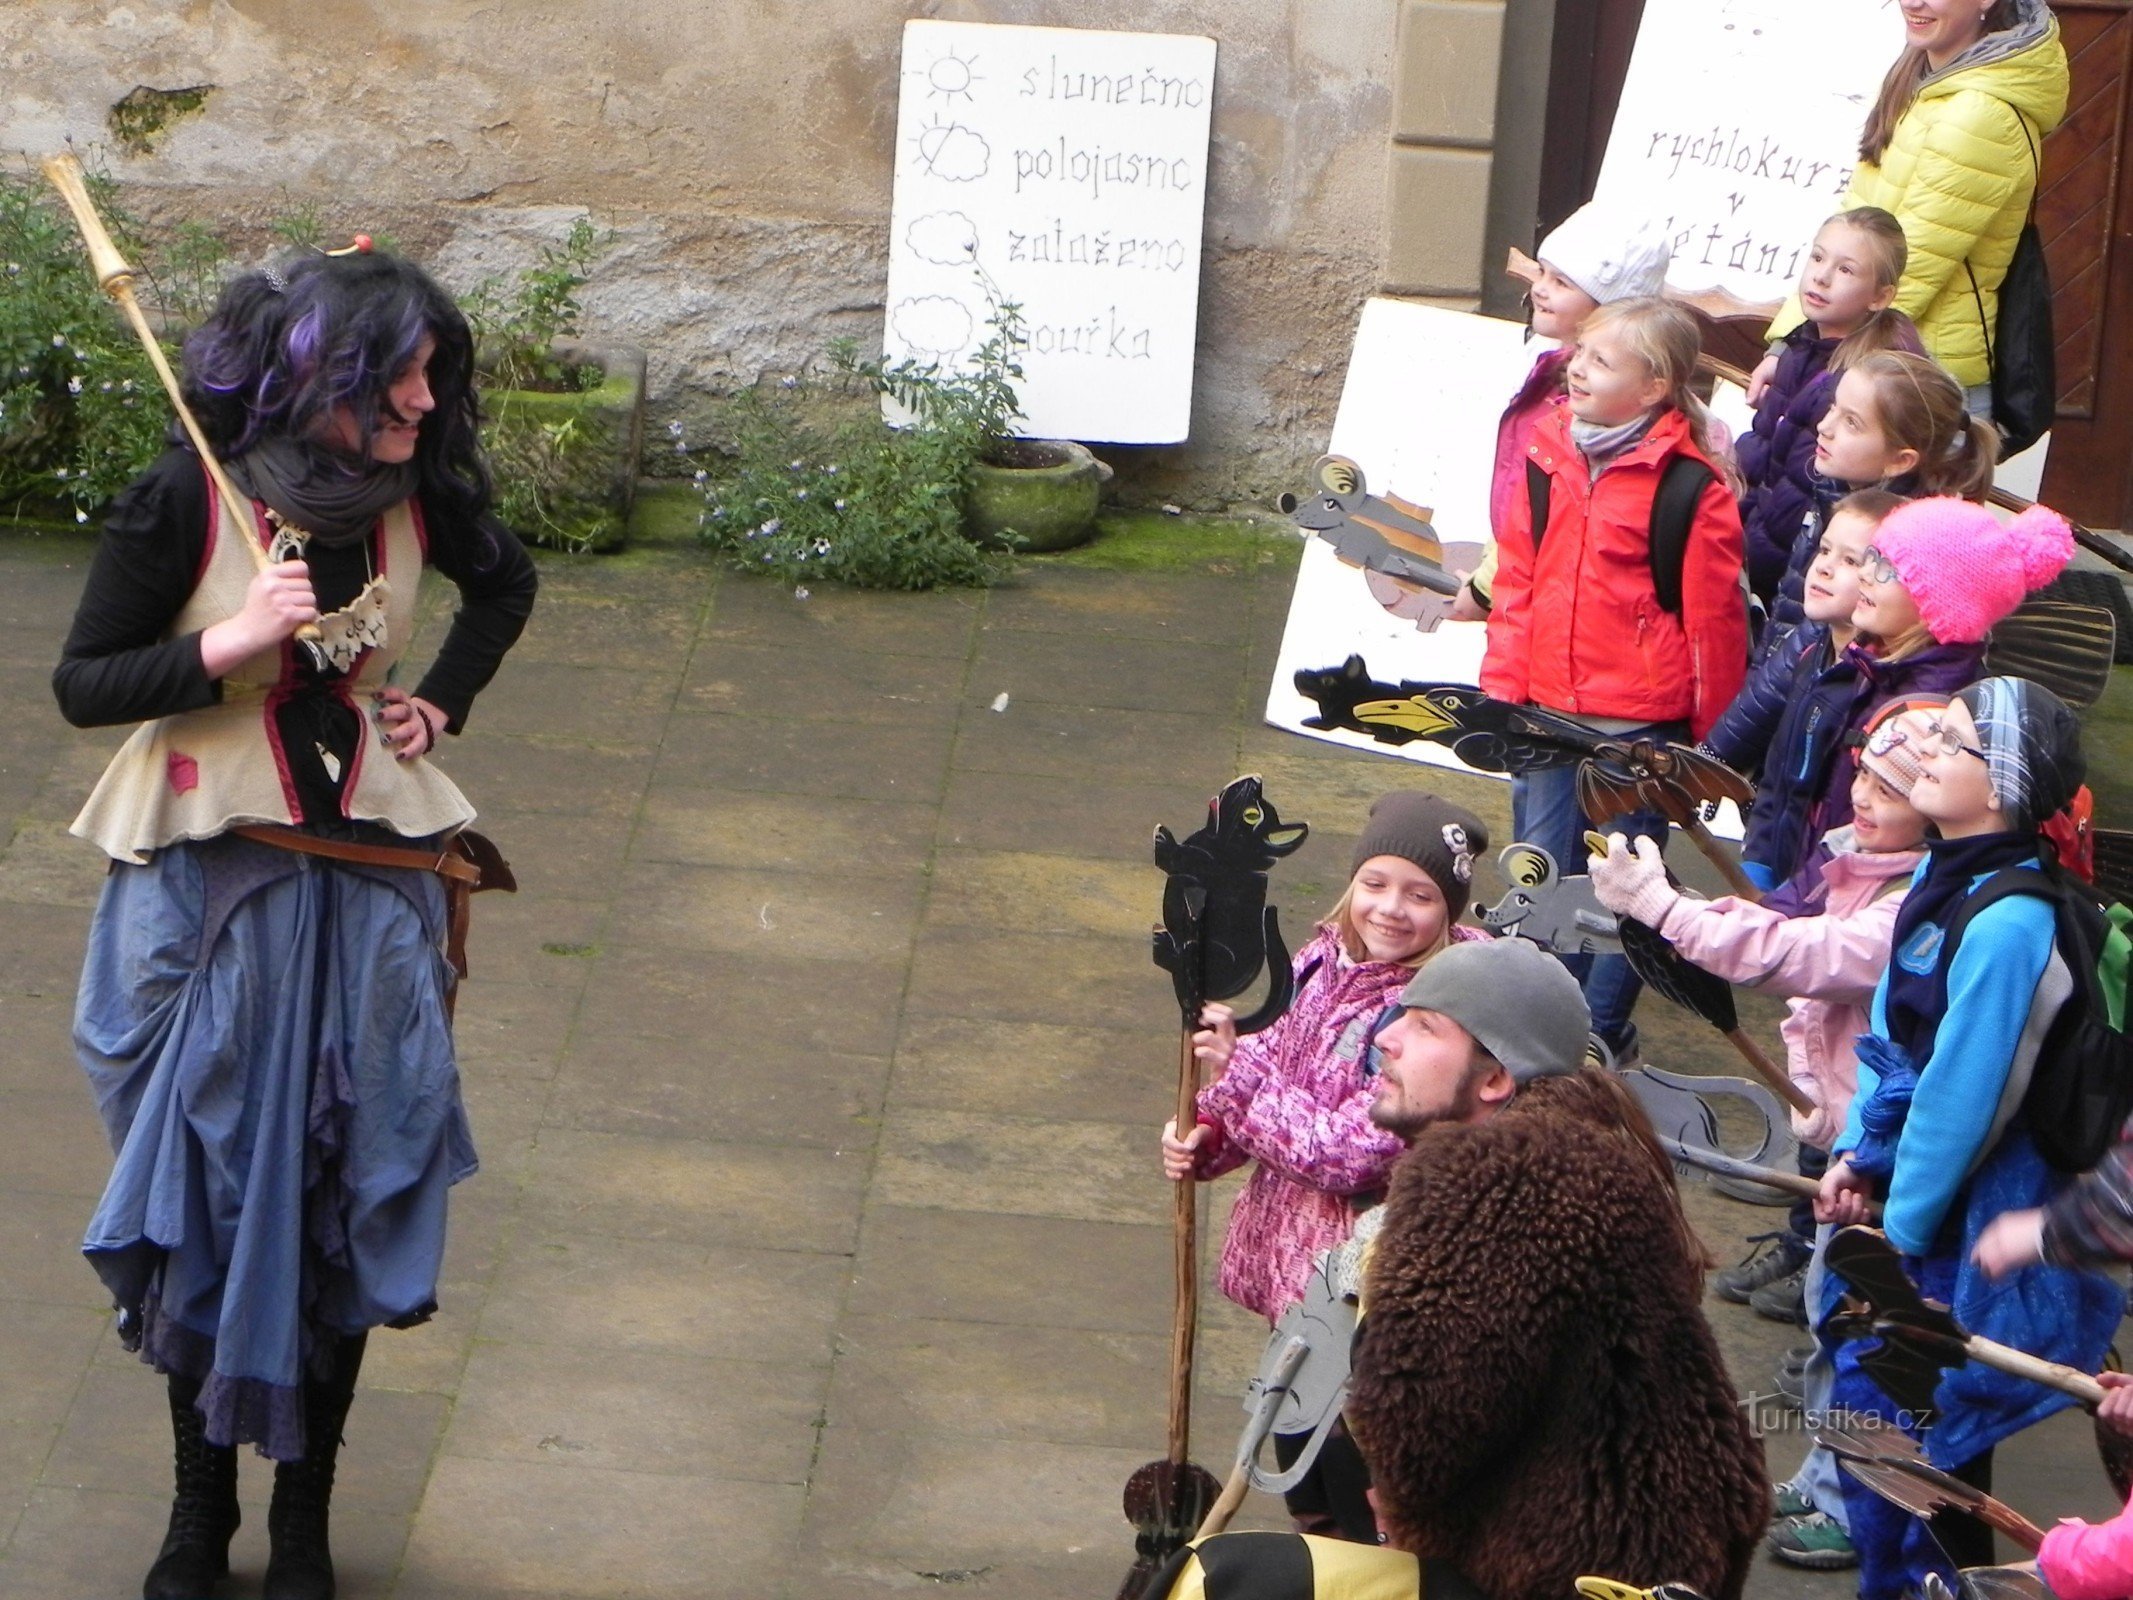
(2019, 352)
(2082, 1090)
(1673, 513)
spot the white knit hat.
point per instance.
(1605, 256)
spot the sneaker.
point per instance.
(1791, 1384)
(1790, 1503)
(1814, 1541)
(1782, 1299)
(1598, 1058)
(1775, 1256)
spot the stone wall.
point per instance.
(740, 150)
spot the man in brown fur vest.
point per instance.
(1535, 1388)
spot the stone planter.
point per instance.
(1050, 503)
(581, 447)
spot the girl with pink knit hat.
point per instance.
(1946, 570)
(1931, 578)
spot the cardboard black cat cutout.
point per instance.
(1218, 929)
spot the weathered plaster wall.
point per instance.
(741, 150)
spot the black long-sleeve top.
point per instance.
(118, 666)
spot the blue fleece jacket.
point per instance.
(1992, 989)
(1963, 1157)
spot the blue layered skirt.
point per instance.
(267, 1039)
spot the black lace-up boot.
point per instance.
(301, 1564)
(203, 1514)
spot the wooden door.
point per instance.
(2085, 217)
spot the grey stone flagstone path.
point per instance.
(819, 1248)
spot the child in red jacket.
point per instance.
(1579, 624)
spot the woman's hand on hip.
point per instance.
(408, 726)
(277, 602)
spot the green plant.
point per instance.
(864, 503)
(976, 403)
(541, 465)
(81, 412)
(516, 326)
(861, 503)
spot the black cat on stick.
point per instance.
(1217, 933)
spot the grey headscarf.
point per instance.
(2032, 745)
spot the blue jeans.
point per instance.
(1817, 1476)
(1545, 811)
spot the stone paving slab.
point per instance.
(819, 1248)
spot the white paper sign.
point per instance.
(1070, 167)
(1738, 129)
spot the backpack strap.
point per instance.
(1537, 499)
(2007, 881)
(1681, 486)
(2080, 924)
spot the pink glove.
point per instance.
(1633, 883)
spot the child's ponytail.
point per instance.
(1967, 468)
(1886, 329)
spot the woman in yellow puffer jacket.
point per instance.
(1949, 151)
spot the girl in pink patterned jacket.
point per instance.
(1296, 1096)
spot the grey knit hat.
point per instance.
(1521, 1004)
(2032, 745)
(1437, 836)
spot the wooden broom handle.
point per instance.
(115, 275)
(2021, 1364)
(1769, 1071)
(1185, 1315)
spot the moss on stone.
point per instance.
(1153, 541)
(144, 115)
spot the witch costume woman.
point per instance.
(263, 1012)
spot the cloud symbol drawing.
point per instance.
(945, 238)
(933, 325)
(952, 152)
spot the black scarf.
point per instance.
(334, 497)
(1917, 950)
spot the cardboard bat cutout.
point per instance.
(1218, 930)
(1391, 540)
(1557, 913)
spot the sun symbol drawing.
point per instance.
(952, 152)
(951, 75)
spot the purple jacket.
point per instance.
(1777, 456)
(1296, 1098)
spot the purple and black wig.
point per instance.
(280, 360)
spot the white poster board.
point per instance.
(1418, 414)
(1738, 128)
(1070, 167)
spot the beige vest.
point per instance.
(193, 775)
